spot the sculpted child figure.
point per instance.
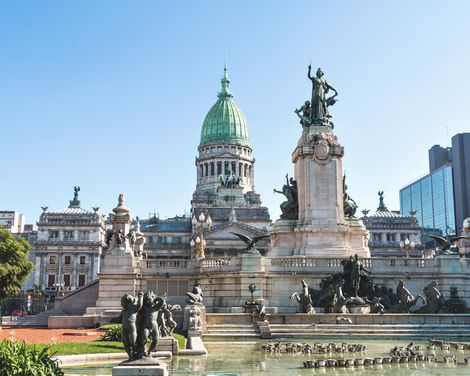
(131, 306)
(148, 324)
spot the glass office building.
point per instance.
(432, 197)
(442, 198)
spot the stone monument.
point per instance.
(325, 225)
(121, 268)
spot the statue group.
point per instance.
(289, 208)
(354, 287)
(145, 318)
(315, 112)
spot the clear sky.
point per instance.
(111, 95)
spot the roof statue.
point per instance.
(382, 206)
(75, 203)
(315, 112)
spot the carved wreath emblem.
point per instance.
(322, 143)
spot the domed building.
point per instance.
(225, 178)
(224, 190)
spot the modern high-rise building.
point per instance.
(441, 199)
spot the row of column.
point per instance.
(221, 167)
(42, 263)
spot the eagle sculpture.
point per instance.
(250, 242)
(448, 245)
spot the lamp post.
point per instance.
(200, 225)
(406, 245)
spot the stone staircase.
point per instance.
(40, 320)
(243, 332)
(369, 330)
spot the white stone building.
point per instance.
(68, 248)
(12, 221)
(391, 234)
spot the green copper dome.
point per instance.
(225, 122)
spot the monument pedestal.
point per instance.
(202, 315)
(322, 229)
(141, 367)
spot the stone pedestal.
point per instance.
(202, 315)
(168, 344)
(321, 229)
(359, 309)
(141, 367)
(252, 262)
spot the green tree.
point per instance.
(14, 264)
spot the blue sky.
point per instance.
(111, 95)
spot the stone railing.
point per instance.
(165, 264)
(221, 264)
(333, 265)
(294, 264)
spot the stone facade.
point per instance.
(389, 229)
(68, 248)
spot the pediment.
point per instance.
(224, 231)
(228, 155)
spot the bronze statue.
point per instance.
(289, 208)
(131, 306)
(147, 324)
(250, 242)
(405, 299)
(338, 304)
(229, 180)
(304, 299)
(165, 318)
(319, 103)
(76, 189)
(448, 247)
(357, 271)
(375, 305)
(434, 299)
(350, 205)
(305, 114)
(196, 295)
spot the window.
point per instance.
(51, 280)
(376, 238)
(219, 168)
(67, 260)
(81, 280)
(51, 259)
(84, 235)
(53, 234)
(403, 237)
(82, 260)
(212, 169)
(68, 234)
(390, 237)
(67, 280)
(150, 239)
